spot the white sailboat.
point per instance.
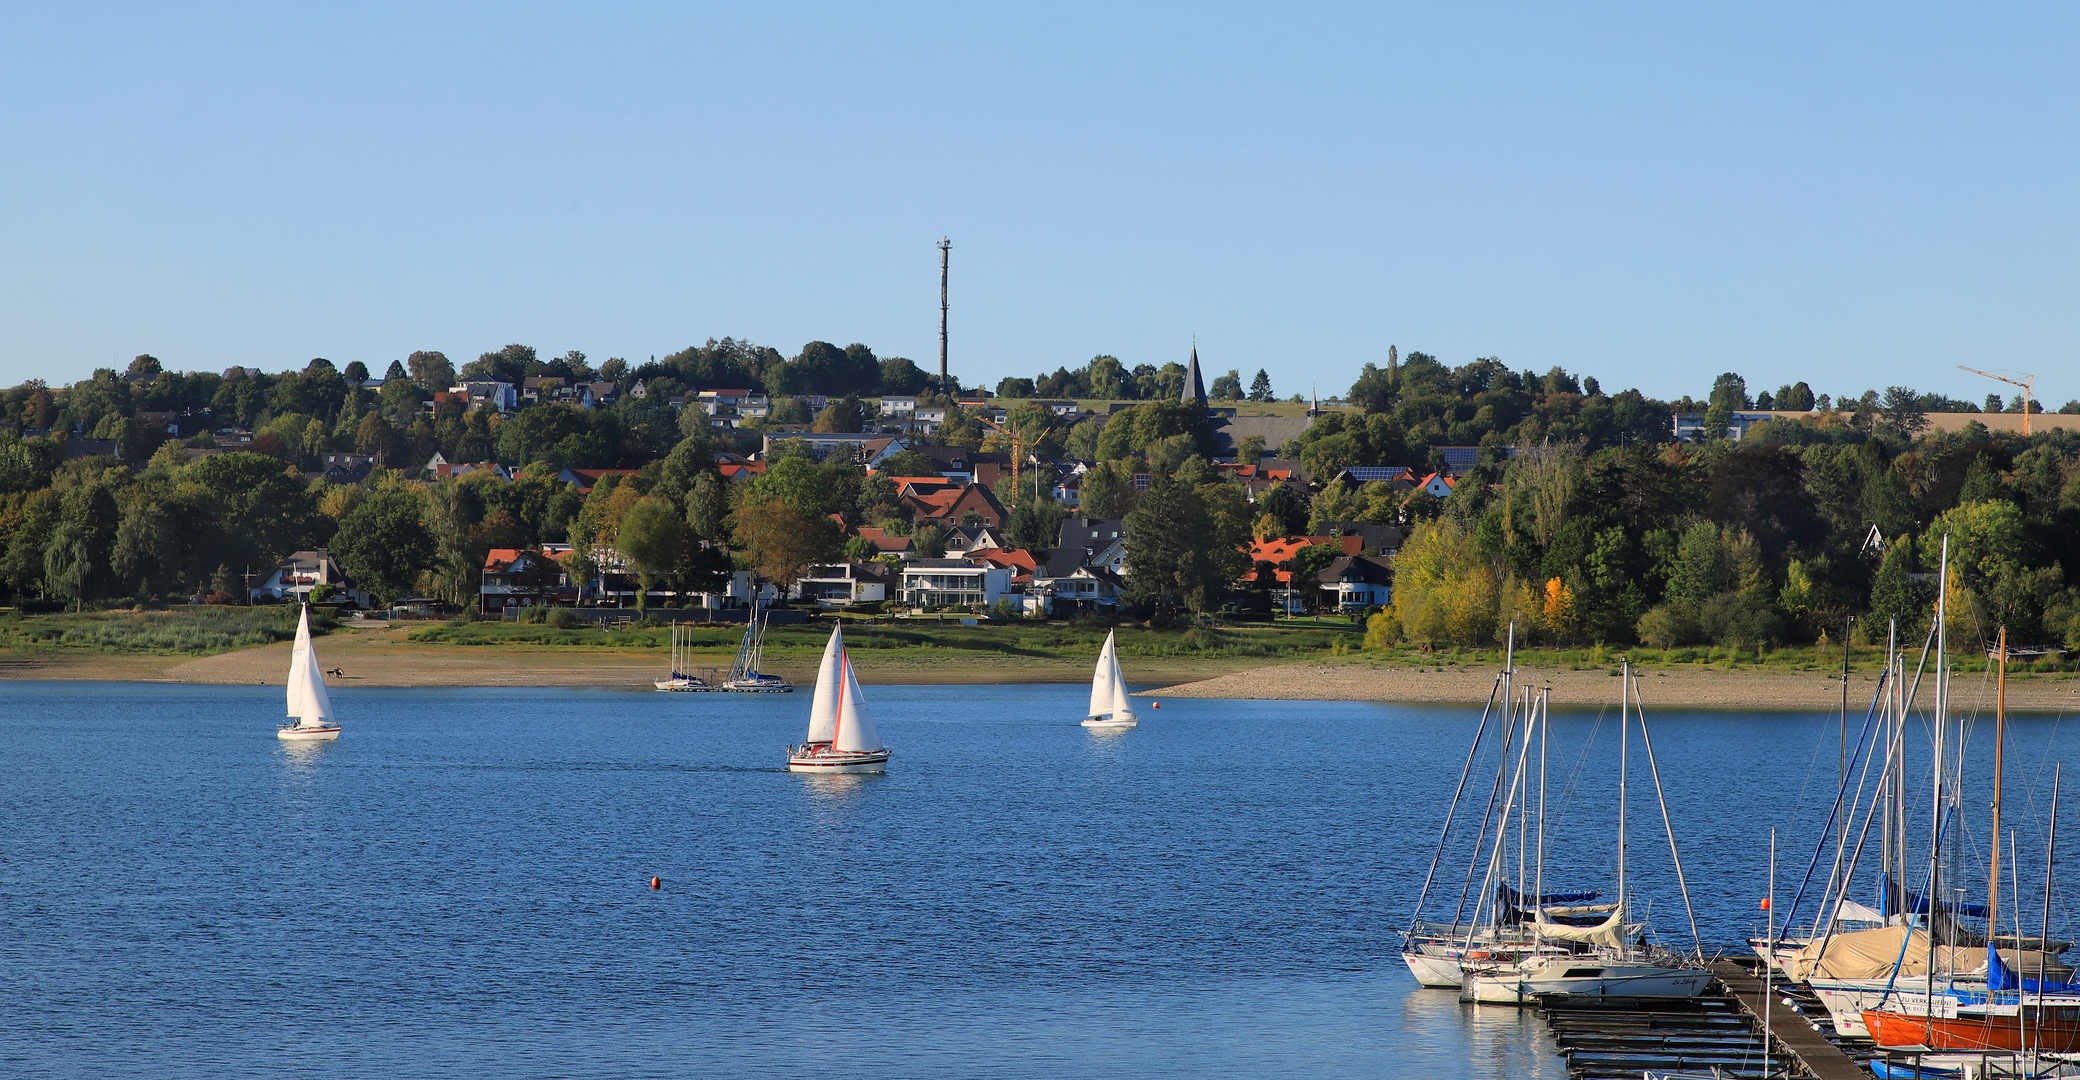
(1110, 707)
(745, 676)
(308, 701)
(841, 735)
(680, 681)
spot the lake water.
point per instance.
(459, 886)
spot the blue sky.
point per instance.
(1851, 195)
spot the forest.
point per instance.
(1583, 521)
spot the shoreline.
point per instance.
(383, 658)
(1659, 687)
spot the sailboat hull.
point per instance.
(838, 761)
(686, 686)
(2056, 1030)
(1110, 722)
(310, 734)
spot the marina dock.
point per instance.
(1722, 1030)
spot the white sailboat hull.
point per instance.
(328, 733)
(686, 686)
(1436, 972)
(1581, 977)
(1110, 722)
(838, 761)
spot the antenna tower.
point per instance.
(945, 246)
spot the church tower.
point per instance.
(1194, 386)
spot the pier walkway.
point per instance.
(1794, 1034)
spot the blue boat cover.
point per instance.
(1914, 904)
(1998, 977)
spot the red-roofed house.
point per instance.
(517, 577)
(1438, 484)
(1280, 550)
(949, 506)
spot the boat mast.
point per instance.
(2000, 734)
(1445, 833)
(1538, 881)
(1667, 825)
(1933, 893)
(1624, 746)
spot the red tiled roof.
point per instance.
(1015, 558)
(732, 470)
(498, 559)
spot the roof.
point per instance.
(1446, 477)
(1363, 568)
(1366, 474)
(732, 469)
(1194, 391)
(587, 479)
(1279, 550)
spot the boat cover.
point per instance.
(1610, 932)
(2006, 969)
(1871, 954)
(1912, 903)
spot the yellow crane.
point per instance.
(2026, 383)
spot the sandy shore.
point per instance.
(1360, 681)
(382, 657)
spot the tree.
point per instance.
(1227, 387)
(68, 564)
(431, 370)
(1902, 411)
(1108, 491)
(1037, 523)
(148, 546)
(383, 543)
(781, 543)
(1178, 553)
(1260, 387)
(901, 376)
(841, 416)
(655, 541)
(144, 364)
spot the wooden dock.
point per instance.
(1794, 1035)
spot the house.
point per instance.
(1358, 582)
(865, 448)
(953, 583)
(842, 584)
(1380, 539)
(296, 576)
(536, 388)
(1093, 542)
(347, 468)
(1019, 561)
(1460, 460)
(480, 393)
(898, 404)
(1438, 484)
(153, 421)
(956, 506)
(640, 390)
(587, 479)
(727, 399)
(972, 539)
(1059, 408)
(1690, 426)
(1085, 590)
(1279, 550)
(1069, 490)
(742, 470)
(883, 542)
(514, 577)
(954, 462)
(76, 447)
(1403, 478)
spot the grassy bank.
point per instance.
(190, 631)
(1810, 658)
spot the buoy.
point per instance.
(1765, 903)
(654, 883)
(1155, 705)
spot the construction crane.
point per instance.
(2026, 382)
(1018, 456)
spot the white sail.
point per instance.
(823, 711)
(308, 701)
(1121, 708)
(1101, 679)
(855, 728)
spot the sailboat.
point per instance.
(1599, 960)
(680, 681)
(744, 675)
(1109, 705)
(308, 701)
(841, 735)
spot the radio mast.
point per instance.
(945, 246)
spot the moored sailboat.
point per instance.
(679, 681)
(1109, 705)
(308, 701)
(744, 675)
(841, 735)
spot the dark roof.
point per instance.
(1365, 568)
(1366, 474)
(1377, 537)
(1194, 386)
(1078, 543)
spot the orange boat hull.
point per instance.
(2056, 1030)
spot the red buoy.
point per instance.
(654, 883)
(1155, 704)
(1765, 903)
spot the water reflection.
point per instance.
(836, 790)
(1497, 1041)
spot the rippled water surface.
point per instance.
(459, 885)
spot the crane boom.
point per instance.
(2027, 383)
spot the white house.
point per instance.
(838, 584)
(295, 577)
(1357, 582)
(953, 582)
(499, 395)
(892, 405)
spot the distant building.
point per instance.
(295, 577)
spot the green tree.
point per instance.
(1227, 387)
(1107, 491)
(148, 546)
(655, 541)
(68, 564)
(1177, 550)
(841, 416)
(383, 543)
(780, 542)
(1260, 387)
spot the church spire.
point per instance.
(1194, 386)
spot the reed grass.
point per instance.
(180, 631)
